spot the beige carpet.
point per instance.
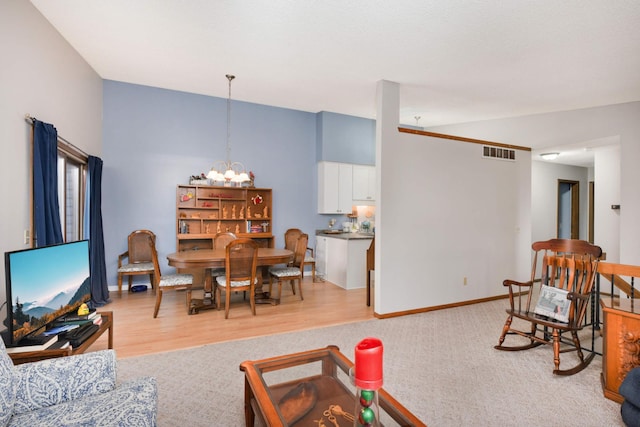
(441, 365)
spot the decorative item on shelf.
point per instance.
(252, 179)
(186, 197)
(265, 212)
(241, 213)
(298, 402)
(198, 179)
(83, 309)
(227, 172)
(265, 227)
(257, 199)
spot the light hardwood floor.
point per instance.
(136, 332)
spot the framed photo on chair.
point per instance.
(553, 303)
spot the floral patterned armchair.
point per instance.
(73, 391)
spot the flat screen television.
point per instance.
(43, 284)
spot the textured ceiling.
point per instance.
(456, 61)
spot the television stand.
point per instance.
(34, 356)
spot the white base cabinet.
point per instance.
(342, 261)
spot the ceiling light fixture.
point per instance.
(549, 156)
(227, 172)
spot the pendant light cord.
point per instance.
(229, 77)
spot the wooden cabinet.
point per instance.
(335, 188)
(202, 211)
(364, 185)
(621, 343)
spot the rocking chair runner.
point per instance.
(567, 266)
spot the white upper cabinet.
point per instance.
(335, 188)
(364, 185)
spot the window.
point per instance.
(72, 169)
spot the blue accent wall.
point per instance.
(346, 139)
(154, 139)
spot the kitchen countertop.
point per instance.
(345, 236)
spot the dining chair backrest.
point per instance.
(138, 246)
(241, 260)
(221, 240)
(300, 250)
(291, 237)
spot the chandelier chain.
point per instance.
(230, 77)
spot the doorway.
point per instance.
(568, 209)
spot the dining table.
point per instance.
(208, 259)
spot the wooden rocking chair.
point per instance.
(555, 300)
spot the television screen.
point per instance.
(44, 284)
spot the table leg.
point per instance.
(261, 296)
(208, 300)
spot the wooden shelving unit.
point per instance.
(202, 211)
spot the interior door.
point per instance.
(568, 209)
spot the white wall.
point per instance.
(607, 193)
(43, 76)
(445, 213)
(544, 198)
(569, 127)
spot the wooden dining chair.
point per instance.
(290, 239)
(175, 282)
(220, 241)
(241, 260)
(554, 301)
(294, 272)
(138, 256)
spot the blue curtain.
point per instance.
(45, 184)
(99, 286)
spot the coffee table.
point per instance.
(268, 380)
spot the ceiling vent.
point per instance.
(489, 152)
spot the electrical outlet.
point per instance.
(465, 281)
(26, 237)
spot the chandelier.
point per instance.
(228, 172)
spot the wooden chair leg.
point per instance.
(188, 300)
(119, 284)
(158, 301)
(293, 286)
(252, 301)
(300, 287)
(556, 349)
(130, 282)
(227, 300)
